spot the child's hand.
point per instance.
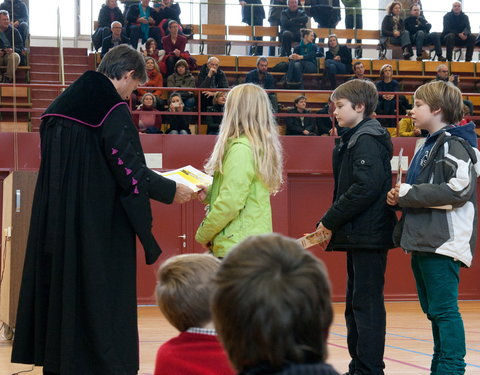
(392, 196)
(202, 193)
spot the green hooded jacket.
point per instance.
(239, 202)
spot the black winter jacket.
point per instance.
(387, 25)
(359, 216)
(20, 11)
(414, 24)
(345, 57)
(105, 18)
(455, 24)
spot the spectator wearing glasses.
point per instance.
(115, 38)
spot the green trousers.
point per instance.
(437, 278)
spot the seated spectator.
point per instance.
(115, 38)
(184, 287)
(271, 307)
(300, 125)
(109, 12)
(212, 77)
(174, 45)
(338, 60)
(359, 71)
(419, 30)
(151, 50)
(213, 122)
(444, 75)
(19, 11)
(457, 32)
(155, 80)
(302, 60)
(177, 124)
(291, 21)
(407, 128)
(10, 49)
(274, 14)
(166, 11)
(181, 77)
(149, 121)
(387, 103)
(257, 20)
(393, 29)
(466, 116)
(264, 79)
(141, 24)
(354, 20)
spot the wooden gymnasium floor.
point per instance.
(408, 346)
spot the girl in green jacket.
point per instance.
(246, 164)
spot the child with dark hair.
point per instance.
(359, 220)
(178, 124)
(183, 293)
(213, 122)
(272, 308)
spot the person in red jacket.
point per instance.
(184, 286)
(155, 81)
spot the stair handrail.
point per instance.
(60, 47)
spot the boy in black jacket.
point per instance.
(360, 222)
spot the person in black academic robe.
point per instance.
(77, 312)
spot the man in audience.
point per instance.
(359, 71)
(10, 49)
(291, 21)
(19, 11)
(419, 30)
(354, 20)
(274, 14)
(457, 32)
(253, 16)
(326, 14)
(115, 38)
(212, 77)
(444, 75)
(264, 79)
(272, 309)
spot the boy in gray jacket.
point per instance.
(440, 216)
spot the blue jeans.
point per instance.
(437, 278)
(332, 68)
(296, 68)
(365, 310)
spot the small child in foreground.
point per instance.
(183, 292)
(439, 222)
(271, 306)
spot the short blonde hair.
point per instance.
(248, 112)
(184, 286)
(382, 70)
(357, 92)
(444, 96)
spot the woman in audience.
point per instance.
(151, 50)
(166, 11)
(302, 60)
(213, 122)
(108, 13)
(155, 79)
(178, 124)
(338, 60)
(149, 120)
(300, 125)
(182, 77)
(174, 45)
(387, 102)
(393, 29)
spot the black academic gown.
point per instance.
(78, 310)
